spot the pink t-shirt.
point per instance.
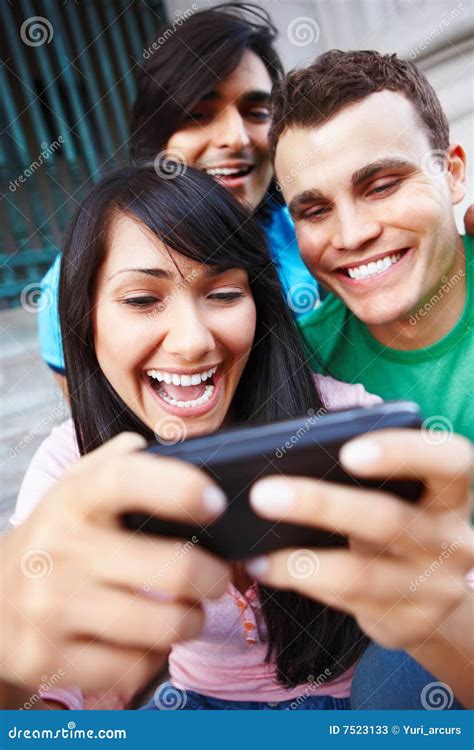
(227, 661)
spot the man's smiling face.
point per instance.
(373, 214)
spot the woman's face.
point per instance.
(172, 336)
(226, 133)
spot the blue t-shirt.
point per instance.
(299, 287)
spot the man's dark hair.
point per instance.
(184, 66)
(310, 96)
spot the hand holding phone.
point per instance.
(307, 446)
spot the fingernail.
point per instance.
(257, 566)
(359, 452)
(272, 496)
(214, 500)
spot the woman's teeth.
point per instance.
(176, 379)
(207, 395)
(184, 391)
(374, 267)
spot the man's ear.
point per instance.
(456, 167)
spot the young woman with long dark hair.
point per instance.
(202, 297)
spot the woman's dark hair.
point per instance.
(197, 217)
(207, 46)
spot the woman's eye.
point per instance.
(381, 189)
(140, 301)
(226, 296)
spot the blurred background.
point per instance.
(67, 81)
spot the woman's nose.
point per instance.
(188, 336)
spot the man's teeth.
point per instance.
(226, 171)
(168, 377)
(206, 396)
(375, 267)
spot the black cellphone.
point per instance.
(307, 446)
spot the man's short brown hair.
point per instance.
(310, 96)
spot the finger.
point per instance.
(445, 468)
(368, 515)
(127, 619)
(99, 665)
(144, 483)
(343, 579)
(152, 563)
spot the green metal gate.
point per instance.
(67, 86)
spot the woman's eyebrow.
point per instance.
(158, 273)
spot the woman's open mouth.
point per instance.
(186, 393)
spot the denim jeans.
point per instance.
(388, 679)
(383, 679)
(168, 697)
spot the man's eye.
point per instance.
(140, 301)
(317, 213)
(226, 296)
(380, 189)
(259, 114)
(199, 116)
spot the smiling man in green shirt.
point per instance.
(372, 197)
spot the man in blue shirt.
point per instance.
(216, 117)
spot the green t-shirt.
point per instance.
(439, 378)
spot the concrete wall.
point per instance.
(437, 35)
